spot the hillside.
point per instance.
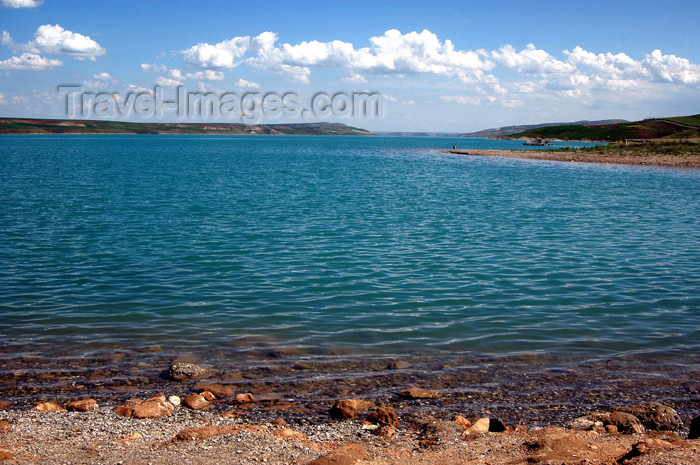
(683, 127)
(507, 130)
(57, 126)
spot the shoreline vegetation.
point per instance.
(679, 154)
(66, 126)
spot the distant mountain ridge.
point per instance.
(70, 126)
(508, 130)
(679, 128)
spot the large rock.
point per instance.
(349, 409)
(155, 407)
(655, 416)
(624, 422)
(182, 371)
(694, 432)
(384, 416)
(196, 402)
(85, 405)
(48, 407)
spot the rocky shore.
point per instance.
(220, 423)
(689, 160)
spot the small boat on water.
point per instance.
(538, 143)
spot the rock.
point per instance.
(694, 432)
(207, 395)
(385, 431)
(286, 433)
(585, 423)
(182, 371)
(219, 390)
(4, 403)
(344, 455)
(463, 422)
(204, 432)
(655, 416)
(175, 400)
(4, 427)
(384, 416)
(419, 419)
(48, 407)
(480, 425)
(6, 455)
(399, 365)
(416, 393)
(155, 407)
(349, 409)
(245, 398)
(496, 425)
(440, 432)
(278, 422)
(625, 423)
(196, 402)
(86, 405)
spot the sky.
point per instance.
(457, 66)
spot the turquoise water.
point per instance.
(374, 244)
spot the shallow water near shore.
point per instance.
(341, 254)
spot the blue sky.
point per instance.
(440, 66)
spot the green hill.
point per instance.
(682, 127)
(68, 126)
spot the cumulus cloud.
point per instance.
(243, 84)
(670, 68)
(392, 53)
(153, 68)
(422, 53)
(22, 3)
(163, 81)
(531, 60)
(606, 64)
(29, 61)
(58, 41)
(206, 75)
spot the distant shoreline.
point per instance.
(579, 156)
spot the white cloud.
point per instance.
(219, 56)
(102, 76)
(208, 75)
(243, 84)
(22, 3)
(148, 68)
(390, 54)
(531, 60)
(29, 61)
(168, 82)
(609, 65)
(57, 41)
(670, 68)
